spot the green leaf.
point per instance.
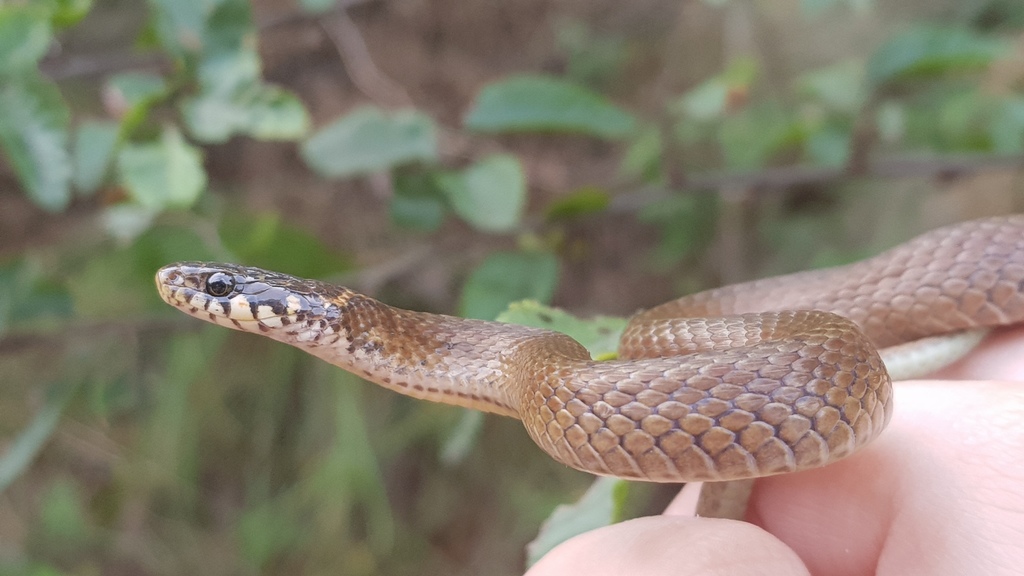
(423, 213)
(179, 24)
(16, 282)
(829, 146)
(24, 38)
(62, 515)
(490, 195)
(26, 296)
(94, 150)
(262, 111)
(592, 58)
(505, 277)
(12, 288)
(274, 113)
(230, 30)
(929, 52)
(601, 505)
(711, 99)
(418, 202)
(34, 135)
(162, 244)
(126, 222)
(263, 532)
(839, 86)
(891, 121)
(579, 202)
(367, 141)
(752, 137)
(686, 222)
(599, 334)
(234, 100)
(705, 102)
(1007, 126)
(66, 13)
(134, 89)
(643, 155)
(318, 6)
(815, 7)
(537, 103)
(165, 174)
(131, 95)
(462, 438)
(265, 240)
(959, 122)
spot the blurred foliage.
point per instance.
(601, 505)
(539, 104)
(142, 442)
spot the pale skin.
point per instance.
(940, 492)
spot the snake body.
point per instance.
(761, 378)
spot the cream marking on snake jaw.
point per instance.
(240, 308)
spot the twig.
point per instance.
(781, 178)
(355, 55)
(303, 16)
(60, 67)
(370, 279)
(731, 261)
(88, 66)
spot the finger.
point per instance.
(938, 493)
(998, 358)
(664, 545)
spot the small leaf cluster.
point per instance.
(215, 91)
(490, 193)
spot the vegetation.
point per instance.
(599, 157)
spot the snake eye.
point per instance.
(220, 284)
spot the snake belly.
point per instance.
(748, 380)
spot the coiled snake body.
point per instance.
(748, 380)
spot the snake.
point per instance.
(748, 380)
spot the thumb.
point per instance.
(663, 545)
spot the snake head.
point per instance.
(280, 306)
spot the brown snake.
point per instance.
(748, 380)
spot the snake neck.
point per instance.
(433, 357)
(439, 358)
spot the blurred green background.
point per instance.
(439, 155)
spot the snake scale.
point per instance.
(748, 380)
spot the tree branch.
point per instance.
(948, 167)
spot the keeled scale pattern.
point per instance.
(760, 406)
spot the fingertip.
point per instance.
(662, 545)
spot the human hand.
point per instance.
(940, 492)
